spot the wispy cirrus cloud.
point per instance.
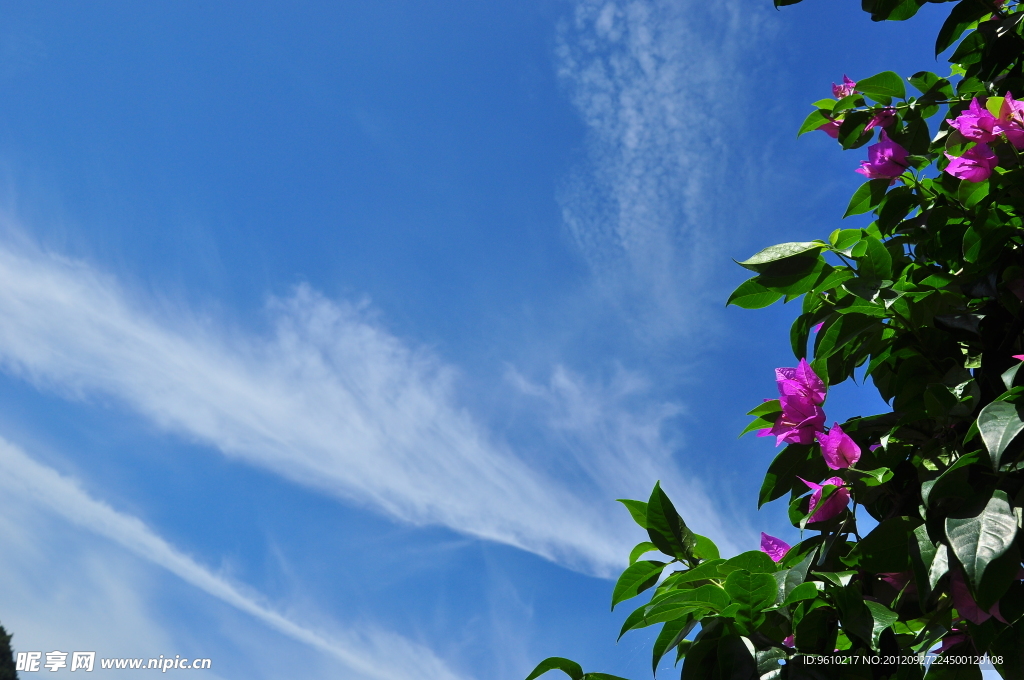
(369, 653)
(330, 399)
(655, 83)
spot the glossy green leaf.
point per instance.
(931, 85)
(752, 295)
(867, 196)
(637, 510)
(814, 120)
(666, 528)
(766, 407)
(761, 260)
(874, 477)
(978, 539)
(641, 549)
(754, 561)
(637, 578)
(752, 592)
(885, 84)
(999, 423)
(781, 478)
(557, 663)
(705, 548)
(886, 548)
(804, 591)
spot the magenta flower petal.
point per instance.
(1011, 121)
(835, 503)
(789, 640)
(831, 128)
(775, 548)
(952, 640)
(800, 380)
(976, 165)
(883, 119)
(976, 123)
(886, 159)
(1019, 357)
(965, 604)
(844, 90)
(838, 448)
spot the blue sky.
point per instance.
(331, 331)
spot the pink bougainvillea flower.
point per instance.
(831, 128)
(817, 327)
(775, 548)
(976, 165)
(833, 505)
(789, 640)
(883, 119)
(800, 380)
(844, 90)
(976, 123)
(965, 604)
(801, 392)
(1011, 121)
(1019, 357)
(838, 449)
(886, 160)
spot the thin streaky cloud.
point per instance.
(375, 654)
(330, 400)
(654, 83)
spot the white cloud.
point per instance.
(368, 653)
(655, 83)
(331, 400)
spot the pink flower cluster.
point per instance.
(883, 118)
(886, 160)
(802, 421)
(979, 125)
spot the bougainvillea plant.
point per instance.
(926, 301)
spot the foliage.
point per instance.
(927, 300)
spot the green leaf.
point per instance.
(881, 618)
(804, 591)
(814, 120)
(641, 549)
(761, 260)
(839, 578)
(1011, 373)
(634, 620)
(795, 459)
(886, 548)
(885, 84)
(637, 510)
(971, 193)
(752, 295)
(922, 554)
(709, 595)
(874, 477)
(666, 528)
(768, 663)
(760, 423)
(637, 578)
(672, 633)
(766, 407)
(959, 20)
(999, 423)
(867, 196)
(705, 548)
(703, 571)
(876, 263)
(931, 85)
(754, 561)
(752, 592)
(979, 539)
(557, 663)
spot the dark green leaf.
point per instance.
(999, 423)
(766, 407)
(666, 528)
(672, 633)
(959, 20)
(795, 459)
(867, 196)
(931, 85)
(1010, 374)
(922, 553)
(752, 592)
(804, 591)
(557, 663)
(637, 578)
(979, 538)
(881, 618)
(885, 84)
(886, 548)
(703, 571)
